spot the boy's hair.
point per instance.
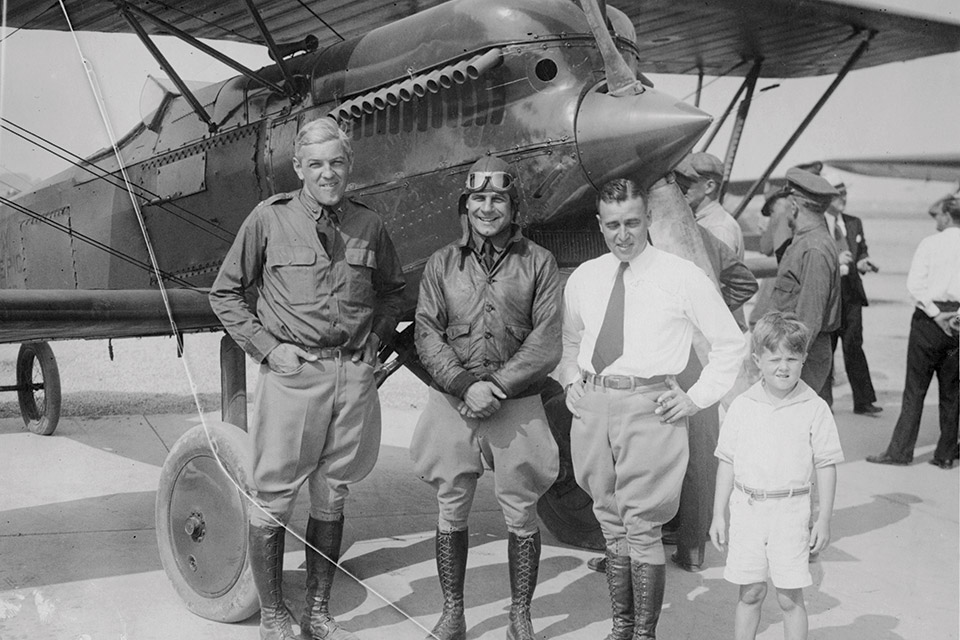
(776, 329)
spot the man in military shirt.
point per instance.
(329, 287)
(808, 276)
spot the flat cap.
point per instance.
(811, 186)
(833, 177)
(700, 165)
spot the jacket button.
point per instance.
(487, 335)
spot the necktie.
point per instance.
(327, 232)
(489, 256)
(609, 345)
(838, 235)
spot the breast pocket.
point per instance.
(294, 269)
(785, 292)
(361, 264)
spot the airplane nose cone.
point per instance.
(640, 136)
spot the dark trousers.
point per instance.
(854, 360)
(819, 360)
(929, 351)
(699, 482)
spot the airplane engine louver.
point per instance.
(405, 91)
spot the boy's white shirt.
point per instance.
(775, 444)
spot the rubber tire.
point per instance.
(240, 600)
(566, 509)
(41, 422)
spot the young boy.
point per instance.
(771, 439)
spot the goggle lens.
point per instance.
(495, 180)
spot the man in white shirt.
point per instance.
(699, 176)
(629, 433)
(934, 283)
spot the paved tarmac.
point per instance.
(79, 557)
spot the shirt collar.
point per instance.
(315, 208)
(638, 263)
(470, 240)
(800, 393)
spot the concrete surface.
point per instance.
(78, 546)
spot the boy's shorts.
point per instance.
(769, 538)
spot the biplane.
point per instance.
(124, 243)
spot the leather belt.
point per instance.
(330, 353)
(760, 494)
(623, 383)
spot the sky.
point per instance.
(897, 109)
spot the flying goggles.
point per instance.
(493, 180)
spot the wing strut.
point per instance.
(290, 82)
(174, 76)
(742, 111)
(854, 57)
(726, 112)
(213, 53)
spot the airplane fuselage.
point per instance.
(418, 118)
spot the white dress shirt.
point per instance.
(935, 271)
(665, 299)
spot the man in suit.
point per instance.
(847, 232)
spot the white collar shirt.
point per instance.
(665, 299)
(775, 444)
(835, 221)
(935, 270)
(714, 218)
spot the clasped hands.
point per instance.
(481, 400)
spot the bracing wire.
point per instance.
(92, 80)
(322, 21)
(73, 233)
(213, 25)
(102, 174)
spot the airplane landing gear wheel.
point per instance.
(38, 387)
(566, 509)
(201, 520)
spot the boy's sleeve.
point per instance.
(727, 442)
(824, 439)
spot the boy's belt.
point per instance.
(623, 382)
(760, 494)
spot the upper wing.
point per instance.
(795, 38)
(944, 166)
(287, 20)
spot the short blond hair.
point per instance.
(778, 329)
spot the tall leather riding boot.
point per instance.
(452, 548)
(648, 583)
(523, 556)
(317, 624)
(621, 596)
(266, 563)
